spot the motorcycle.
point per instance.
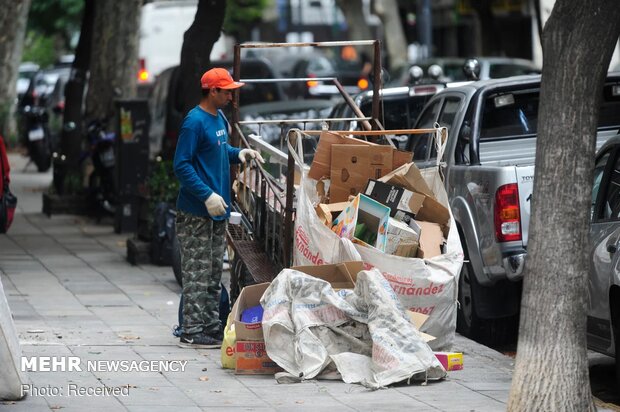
(37, 136)
(101, 182)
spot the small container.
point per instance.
(235, 218)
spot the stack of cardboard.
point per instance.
(376, 198)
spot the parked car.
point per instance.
(450, 69)
(603, 330)
(400, 107)
(166, 104)
(488, 166)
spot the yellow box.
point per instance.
(451, 361)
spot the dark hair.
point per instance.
(204, 92)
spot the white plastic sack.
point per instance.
(11, 376)
(364, 333)
(428, 286)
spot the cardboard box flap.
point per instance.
(431, 240)
(249, 296)
(409, 177)
(339, 275)
(418, 320)
(321, 163)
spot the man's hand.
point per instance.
(216, 205)
(246, 154)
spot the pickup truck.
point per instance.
(488, 164)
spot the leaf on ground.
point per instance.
(203, 378)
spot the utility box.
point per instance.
(132, 160)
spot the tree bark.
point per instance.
(13, 17)
(353, 12)
(114, 56)
(395, 40)
(197, 44)
(551, 370)
(70, 142)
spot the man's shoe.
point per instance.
(199, 341)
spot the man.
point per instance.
(201, 163)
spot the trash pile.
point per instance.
(374, 290)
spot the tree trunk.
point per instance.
(13, 17)
(353, 12)
(197, 44)
(70, 143)
(114, 56)
(551, 370)
(395, 40)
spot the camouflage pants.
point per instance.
(202, 242)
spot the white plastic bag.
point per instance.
(365, 333)
(428, 286)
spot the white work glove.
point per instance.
(216, 205)
(251, 154)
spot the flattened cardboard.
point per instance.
(249, 296)
(353, 165)
(339, 275)
(321, 164)
(363, 210)
(431, 239)
(409, 177)
(251, 359)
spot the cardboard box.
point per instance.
(406, 204)
(402, 240)
(252, 359)
(249, 296)
(321, 163)
(364, 210)
(353, 165)
(451, 361)
(327, 212)
(431, 240)
(339, 275)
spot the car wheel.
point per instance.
(491, 332)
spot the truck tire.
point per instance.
(491, 332)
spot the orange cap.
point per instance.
(218, 78)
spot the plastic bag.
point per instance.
(228, 345)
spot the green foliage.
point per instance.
(56, 17)
(39, 49)
(242, 16)
(163, 184)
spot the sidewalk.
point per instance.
(72, 293)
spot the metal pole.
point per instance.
(426, 27)
(376, 84)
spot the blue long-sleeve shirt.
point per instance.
(202, 162)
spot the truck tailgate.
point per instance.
(525, 182)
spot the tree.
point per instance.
(114, 56)
(353, 12)
(197, 44)
(242, 16)
(395, 40)
(13, 15)
(551, 370)
(67, 164)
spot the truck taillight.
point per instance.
(507, 213)
(143, 74)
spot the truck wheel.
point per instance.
(491, 332)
